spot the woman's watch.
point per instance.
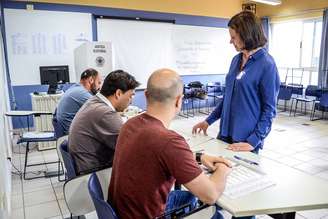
(198, 157)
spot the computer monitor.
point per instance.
(54, 75)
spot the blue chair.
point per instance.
(187, 109)
(103, 209)
(215, 91)
(311, 94)
(296, 88)
(285, 93)
(58, 133)
(321, 105)
(36, 137)
(68, 160)
(58, 129)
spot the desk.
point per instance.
(27, 113)
(294, 190)
(195, 140)
(27, 137)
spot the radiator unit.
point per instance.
(45, 102)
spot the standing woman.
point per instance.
(252, 85)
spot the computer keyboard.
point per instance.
(243, 181)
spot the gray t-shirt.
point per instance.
(69, 104)
(93, 135)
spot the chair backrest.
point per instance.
(324, 100)
(312, 90)
(296, 88)
(285, 93)
(58, 143)
(76, 192)
(68, 160)
(59, 131)
(103, 208)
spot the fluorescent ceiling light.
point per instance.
(269, 2)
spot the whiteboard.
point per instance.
(139, 47)
(42, 38)
(142, 47)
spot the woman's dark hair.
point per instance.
(89, 73)
(249, 28)
(118, 79)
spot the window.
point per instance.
(295, 46)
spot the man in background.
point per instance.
(94, 129)
(75, 97)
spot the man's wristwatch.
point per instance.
(198, 157)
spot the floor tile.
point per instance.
(16, 189)
(44, 210)
(17, 214)
(63, 207)
(38, 197)
(59, 192)
(36, 185)
(17, 202)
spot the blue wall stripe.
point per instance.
(94, 28)
(24, 93)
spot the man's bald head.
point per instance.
(163, 86)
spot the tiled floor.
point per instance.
(294, 141)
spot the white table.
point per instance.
(195, 140)
(294, 190)
(27, 113)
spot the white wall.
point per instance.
(42, 38)
(5, 173)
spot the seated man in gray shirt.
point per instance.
(75, 97)
(95, 128)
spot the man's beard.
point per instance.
(94, 90)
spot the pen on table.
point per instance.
(245, 160)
